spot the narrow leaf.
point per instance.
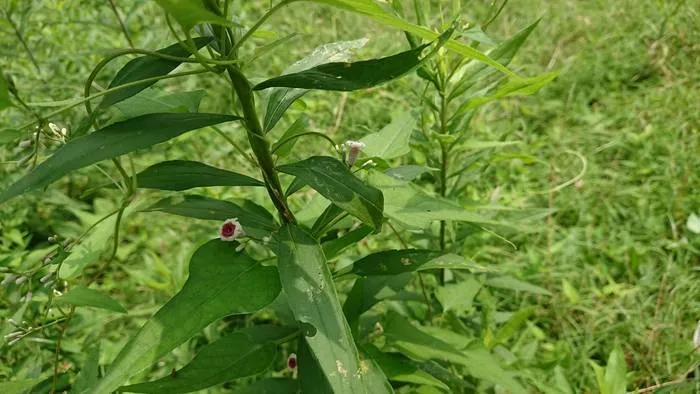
(255, 220)
(281, 98)
(191, 12)
(82, 296)
(111, 141)
(408, 172)
(459, 296)
(145, 67)
(4, 93)
(284, 147)
(393, 262)
(376, 12)
(222, 282)
(89, 372)
(367, 292)
(147, 102)
(312, 296)
(247, 352)
(393, 140)
(333, 180)
(344, 76)
(184, 174)
(400, 369)
(333, 247)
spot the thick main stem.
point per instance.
(260, 146)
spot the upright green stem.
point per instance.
(444, 157)
(260, 146)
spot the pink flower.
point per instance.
(355, 148)
(292, 361)
(230, 230)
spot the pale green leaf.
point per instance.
(393, 140)
(82, 296)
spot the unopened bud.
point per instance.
(46, 277)
(354, 150)
(21, 280)
(8, 280)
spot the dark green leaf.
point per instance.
(255, 220)
(333, 247)
(514, 323)
(82, 296)
(222, 282)
(299, 126)
(247, 352)
(148, 102)
(281, 98)
(184, 174)
(112, 141)
(146, 67)
(312, 296)
(393, 140)
(329, 215)
(333, 180)
(367, 292)
(344, 76)
(516, 87)
(372, 9)
(18, 386)
(296, 185)
(4, 93)
(270, 386)
(393, 262)
(191, 12)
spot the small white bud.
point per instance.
(240, 248)
(24, 144)
(46, 277)
(369, 163)
(8, 280)
(49, 284)
(21, 280)
(354, 150)
(696, 336)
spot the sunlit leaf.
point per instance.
(458, 296)
(185, 174)
(313, 299)
(147, 102)
(222, 282)
(393, 140)
(82, 296)
(111, 141)
(191, 12)
(247, 352)
(333, 180)
(144, 67)
(89, 373)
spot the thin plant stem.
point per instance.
(295, 136)
(22, 41)
(58, 348)
(121, 23)
(259, 23)
(234, 145)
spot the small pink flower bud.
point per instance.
(354, 150)
(230, 230)
(292, 361)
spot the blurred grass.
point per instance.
(616, 253)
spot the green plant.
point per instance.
(233, 275)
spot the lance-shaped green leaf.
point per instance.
(82, 296)
(394, 262)
(313, 299)
(400, 369)
(344, 76)
(109, 142)
(418, 344)
(334, 181)
(285, 144)
(333, 247)
(145, 67)
(503, 53)
(393, 140)
(185, 174)
(367, 292)
(222, 282)
(148, 102)
(408, 204)
(281, 98)
(247, 352)
(373, 10)
(311, 376)
(255, 220)
(191, 12)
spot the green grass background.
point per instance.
(616, 253)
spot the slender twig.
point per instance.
(259, 23)
(339, 112)
(280, 144)
(234, 145)
(121, 23)
(22, 41)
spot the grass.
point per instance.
(616, 253)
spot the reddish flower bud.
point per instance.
(230, 230)
(292, 361)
